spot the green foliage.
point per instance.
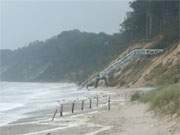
(164, 16)
(165, 99)
(136, 96)
(71, 56)
(74, 55)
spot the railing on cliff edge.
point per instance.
(121, 62)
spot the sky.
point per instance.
(24, 21)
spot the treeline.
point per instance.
(150, 18)
(69, 56)
(74, 55)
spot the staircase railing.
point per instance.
(121, 62)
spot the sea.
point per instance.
(19, 98)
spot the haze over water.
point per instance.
(18, 99)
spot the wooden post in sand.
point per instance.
(109, 103)
(73, 104)
(54, 115)
(90, 103)
(82, 105)
(97, 101)
(61, 110)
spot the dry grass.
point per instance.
(164, 99)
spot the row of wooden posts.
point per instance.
(82, 106)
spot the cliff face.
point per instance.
(163, 69)
(148, 71)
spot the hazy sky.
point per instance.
(23, 21)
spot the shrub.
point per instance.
(164, 99)
(135, 96)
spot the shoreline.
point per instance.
(30, 98)
(41, 119)
(124, 117)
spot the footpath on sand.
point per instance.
(132, 118)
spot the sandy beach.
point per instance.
(124, 118)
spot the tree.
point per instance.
(150, 18)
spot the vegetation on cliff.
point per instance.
(74, 55)
(69, 56)
(150, 18)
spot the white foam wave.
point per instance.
(23, 98)
(9, 106)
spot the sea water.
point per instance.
(18, 99)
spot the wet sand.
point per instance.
(124, 118)
(40, 122)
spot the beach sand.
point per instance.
(124, 118)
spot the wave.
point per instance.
(18, 99)
(9, 106)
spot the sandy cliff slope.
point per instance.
(160, 69)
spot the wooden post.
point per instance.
(82, 105)
(90, 103)
(54, 115)
(73, 104)
(61, 110)
(109, 103)
(97, 101)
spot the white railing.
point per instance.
(121, 62)
(118, 63)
